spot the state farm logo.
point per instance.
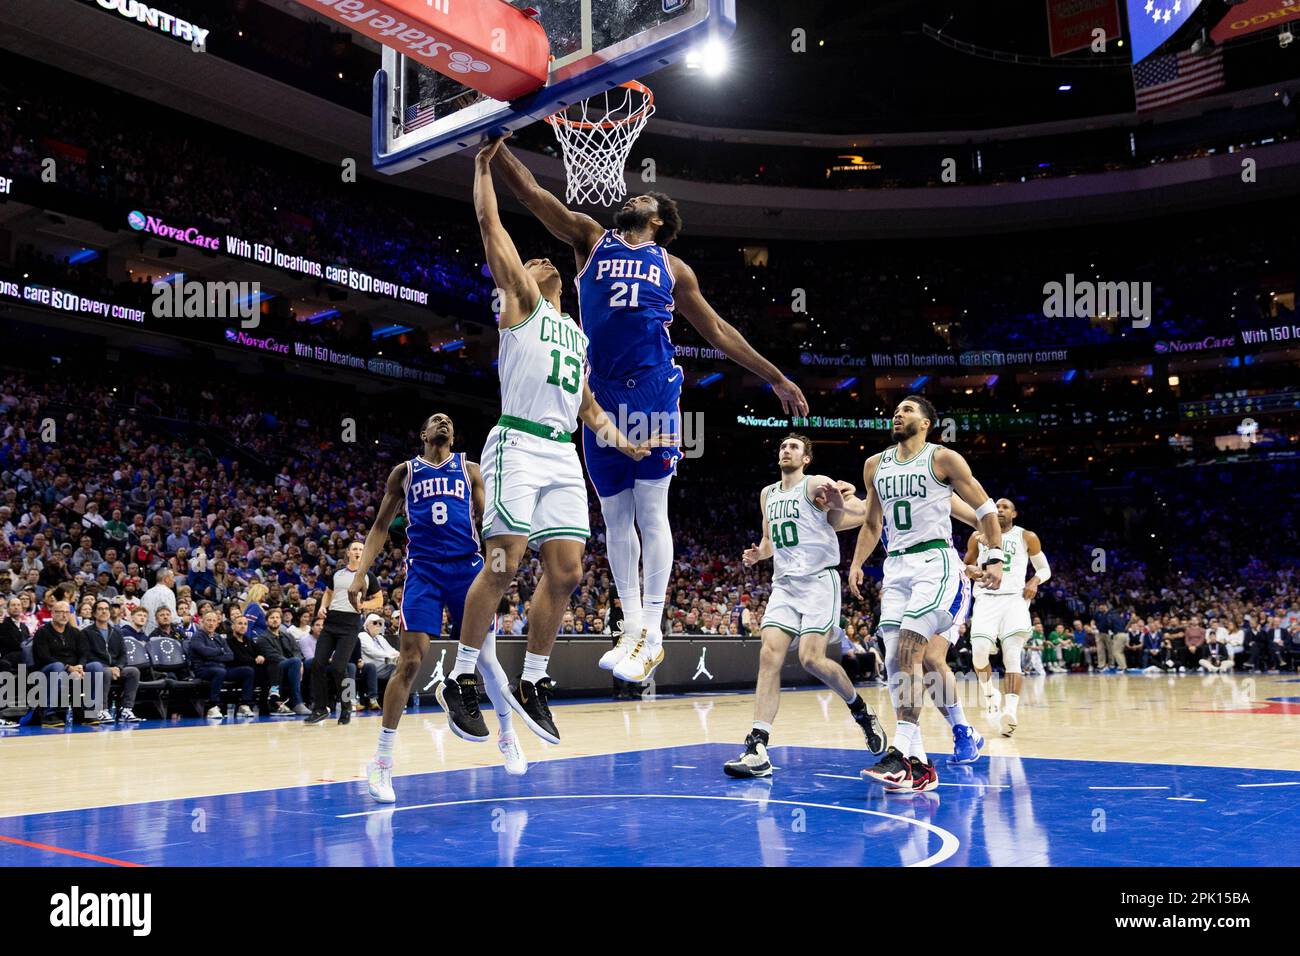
(191, 236)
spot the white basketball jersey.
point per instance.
(1014, 563)
(542, 364)
(803, 542)
(917, 506)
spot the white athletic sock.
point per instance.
(918, 745)
(1010, 703)
(534, 666)
(987, 688)
(903, 731)
(763, 725)
(657, 551)
(623, 549)
(495, 682)
(956, 716)
(384, 750)
(466, 661)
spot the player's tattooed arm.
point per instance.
(508, 272)
(577, 229)
(394, 496)
(872, 525)
(951, 467)
(763, 550)
(593, 416)
(722, 335)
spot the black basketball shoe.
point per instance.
(872, 730)
(459, 698)
(529, 700)
(317, 717)
(752, 762)
(893, 772)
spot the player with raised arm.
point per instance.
(801, 515)
(536, 494)
(628, 287)
(442, 494)
(909, 495)
(1002, 613)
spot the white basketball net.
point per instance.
(596, 136)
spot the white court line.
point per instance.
(980, 786)
(1187, 799)
(1287, 783)
(682, 766)
(837, 776)
(949, 840)
(1128, 788)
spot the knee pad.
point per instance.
(1011, 653)
(980, 649)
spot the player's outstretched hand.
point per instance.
(489, 149)
(752, 556)
(640, 450)
(357, 591)
(1031, 589)
(855, 582)
(791, 396)
(828, 495)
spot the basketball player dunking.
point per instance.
(442, 493)
(535, 490)
(628, 286)
(909, 493)
(1002, 613)
(801, 517)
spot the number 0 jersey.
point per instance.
(917, 506)
(542, 364)
(440, 521)
(803, 542)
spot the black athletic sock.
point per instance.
(857, 705)
(761, 735)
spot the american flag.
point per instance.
(421, 114)
(1162, 80)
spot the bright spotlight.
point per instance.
(711, 58)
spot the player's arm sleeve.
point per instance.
(1042, 570)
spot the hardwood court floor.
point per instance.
(1131, 738)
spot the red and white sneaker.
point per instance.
(924, 777)
(893, 772)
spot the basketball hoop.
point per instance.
(597, 138)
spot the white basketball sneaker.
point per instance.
(516, 762)
(1008, 723)
(611, 658)
(637, 667)
(379, 781)
(993, 704)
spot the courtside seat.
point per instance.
(168, 659)
(151, 685)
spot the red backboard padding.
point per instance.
(486, 44)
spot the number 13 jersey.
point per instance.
(542, 364)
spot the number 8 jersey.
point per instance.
(542, 364)
(439, 522)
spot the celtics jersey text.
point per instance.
(542, 364)
(1014, 563)
(917, 506)
(625, 297)
(803, 542)
(440, 521)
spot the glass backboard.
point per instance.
(421, 115)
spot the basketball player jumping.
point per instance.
(442, 493)
(1002, 613)
(910, 487)
(535, 490)
(628, 286)
(801, 516)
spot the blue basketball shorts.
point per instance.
(432, 586)
(639, 407)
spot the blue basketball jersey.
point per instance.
(625, 297)
(440, 522)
